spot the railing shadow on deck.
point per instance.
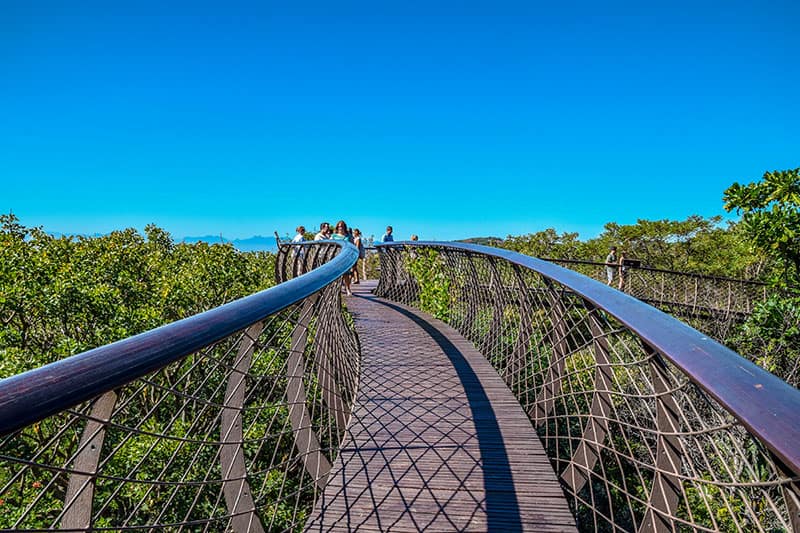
(476, 466)
(650, 424)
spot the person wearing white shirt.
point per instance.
(324, 232)
(298, 253)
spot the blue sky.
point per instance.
(445, 119)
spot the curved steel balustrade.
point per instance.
(226, 420)
(650, 424)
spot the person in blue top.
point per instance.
(340, 233)
(387, 237)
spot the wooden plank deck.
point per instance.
(436, 442)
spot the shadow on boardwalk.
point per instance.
(436, 440)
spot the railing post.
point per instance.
(585, 457)
(77, 512)
(389, 280)
(666, 488)
(495, 293)
(458, 288)
(238, 496)
(280, 264)
(552, 384)
(475, 298)
(522, 344)
(791, 494)
(327, 367)
(305, 438)
(730, 298)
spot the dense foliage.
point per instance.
(763, 245)
(697, 244)
(770, 211)
(63, 295)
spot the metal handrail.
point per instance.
(767, 406)
(36, 394)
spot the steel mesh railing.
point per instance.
(712, 304)
(228, 420)
(649, 424)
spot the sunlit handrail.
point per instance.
(487, 283)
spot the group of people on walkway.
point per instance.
(341, 232)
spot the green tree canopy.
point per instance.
(696, 244)
(770, 211)
(62, 295)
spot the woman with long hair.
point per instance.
(340, 233)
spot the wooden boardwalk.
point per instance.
(436, 442)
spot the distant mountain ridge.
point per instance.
(250, 244)
(258, 243)
(486, 241)
(255, 243)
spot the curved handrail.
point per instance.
(767, 406)
(36, 394)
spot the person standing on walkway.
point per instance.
(611, 264)
(387, 237)
(324, 232)
(361, 257)
(340, 233)
(300, 234)
(298, 253)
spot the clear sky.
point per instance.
(445, 119)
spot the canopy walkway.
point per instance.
(437, 441)
(539, 399)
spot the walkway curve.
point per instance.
(436, 440)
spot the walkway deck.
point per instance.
(437, 441)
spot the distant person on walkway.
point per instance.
(611, 264)
(358, 241)
(414, 237)
(298, 253)
(324, 232)
(387, 237)
(341, 234)
(301, 234)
